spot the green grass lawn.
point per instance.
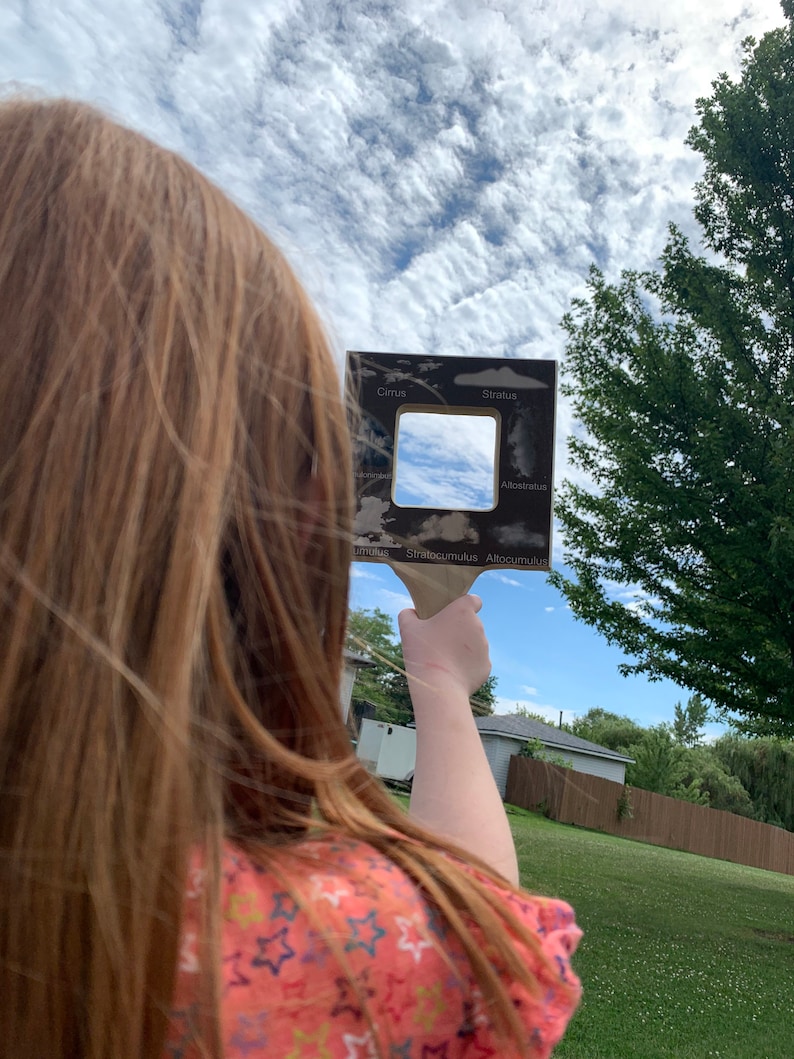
(683, 957)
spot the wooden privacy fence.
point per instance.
(590, 801)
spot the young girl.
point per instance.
(192, 862)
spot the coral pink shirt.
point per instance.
(284, 993)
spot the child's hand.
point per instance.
(448, 650)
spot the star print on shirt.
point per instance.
(436, 924)
(273, 951)
(183, 1022)
(284, 907)
(295, 990)
(347, 1000)
(563, 967)
(441, 1050)
(362, 888)
(364, 928)
(411, 940)
(310, 1045)
(195, 882)
(327, 889)
(418, 989)
(476, 1009)
(429, 1004)
(188, 953)
(377, 862)
(232, 866)
(392, 1004)
(403, 888)
(250, 1034)
(359, 1047)
(233, 975)
(243, 909)
(317, 950)
(474, 1048)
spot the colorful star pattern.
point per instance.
(429, 1004)
(233, 975)
(250, 1035)
(360, 1047)
(273, 951)
(348, 961)
(284, 906)
(349, 994)
(243, 909)
(366, 933)
(411, 939)
(311, 1045)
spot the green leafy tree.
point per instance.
(689, 720)
(659, 766)
(536, 749)
(657, 762)
(371, 633)
(683, 380)
(483, 701)
(607, 729)
(724, 791)
(765, 768)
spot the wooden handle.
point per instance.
(433, 586)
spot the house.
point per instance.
(389, 750)
(504, 736)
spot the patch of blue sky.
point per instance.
(454, 209)
(404, 251)
(598, 249)
(484, 168)
(495, 234)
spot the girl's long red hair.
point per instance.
(175, 503)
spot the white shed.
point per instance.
(388, 750)
(504, 736)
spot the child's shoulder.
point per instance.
(343, 876)
(333, 931)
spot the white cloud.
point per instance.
(394, 602)
(504, 578)
(528, 690)
(440, 173)
(364, 572)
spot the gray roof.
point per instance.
(356, 660)
(554, 738)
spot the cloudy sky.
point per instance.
(441, 173)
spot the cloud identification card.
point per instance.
(453, 467)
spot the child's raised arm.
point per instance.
(454, 792)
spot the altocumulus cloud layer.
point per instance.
(441, 172)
